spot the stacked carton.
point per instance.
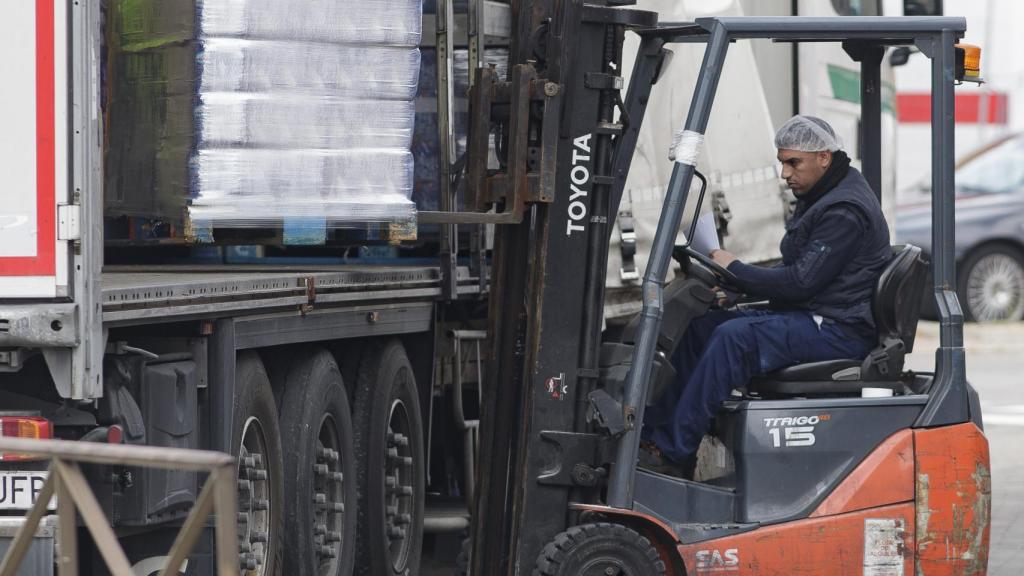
(262, 113)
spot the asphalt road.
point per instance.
(995, 367)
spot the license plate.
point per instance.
(19, 490)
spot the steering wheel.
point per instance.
(727, 279)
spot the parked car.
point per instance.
(989, 230)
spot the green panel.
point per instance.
(147, 24)
(845, 83)
(846, 87)
(888, 98)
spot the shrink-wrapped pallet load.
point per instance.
(425, 145)
(261, 113)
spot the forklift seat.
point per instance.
(895, 305)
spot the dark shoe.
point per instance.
(651, 458)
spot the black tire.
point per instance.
(320, 484)
(599, 549)
(465, 558)
(390, 451)
(257, 440)
(990, 284)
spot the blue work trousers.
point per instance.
(721, 351)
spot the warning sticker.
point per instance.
(883, 547)
(556, 387)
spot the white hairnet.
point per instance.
(807, 134)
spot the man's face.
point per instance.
(802, 170)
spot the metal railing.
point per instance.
(66, 481)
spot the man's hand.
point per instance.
(723, 258)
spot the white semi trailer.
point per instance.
(320, 378)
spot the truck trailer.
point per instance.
(323, 374)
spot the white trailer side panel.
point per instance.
(738, 155)
(34, 148)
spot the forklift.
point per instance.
(811, 475)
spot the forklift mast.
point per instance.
(549, 269)
(550, 440)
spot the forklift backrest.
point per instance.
(897, 302)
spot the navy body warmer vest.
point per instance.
(847, 298)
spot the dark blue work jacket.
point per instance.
(833, 253)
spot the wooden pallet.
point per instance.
(142, 231)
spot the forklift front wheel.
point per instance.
(599, 549)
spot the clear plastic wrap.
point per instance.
(240, 188)
(226, 119)
(375, 72)
(145, 24)
(390, 22)
(426, 191)
(257, 113)
(261, 66)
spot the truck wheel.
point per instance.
(390, 449)
(598, 550)
(260, 485)
(464, 560)
(321, 483)
(992, 284)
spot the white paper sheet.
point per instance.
(705, 237)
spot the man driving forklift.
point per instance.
(835, 248)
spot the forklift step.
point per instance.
(693, 533)
(680, 501)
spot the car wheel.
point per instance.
(992, 284)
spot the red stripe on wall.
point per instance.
(917, 108)
(43, 263)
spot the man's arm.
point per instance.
(833, 242)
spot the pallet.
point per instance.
(143, 231)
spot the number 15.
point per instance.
(794, 436)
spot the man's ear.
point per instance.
(824, 158)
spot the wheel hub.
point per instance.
(253, 501)
(606, 567)
(995, 288)
(328, 498)
(398, 486)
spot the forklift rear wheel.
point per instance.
(260, 482)
(390, 449)
(321, 490)
(599, 549)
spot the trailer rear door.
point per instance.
(34, 150)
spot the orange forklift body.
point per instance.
(919, 504)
